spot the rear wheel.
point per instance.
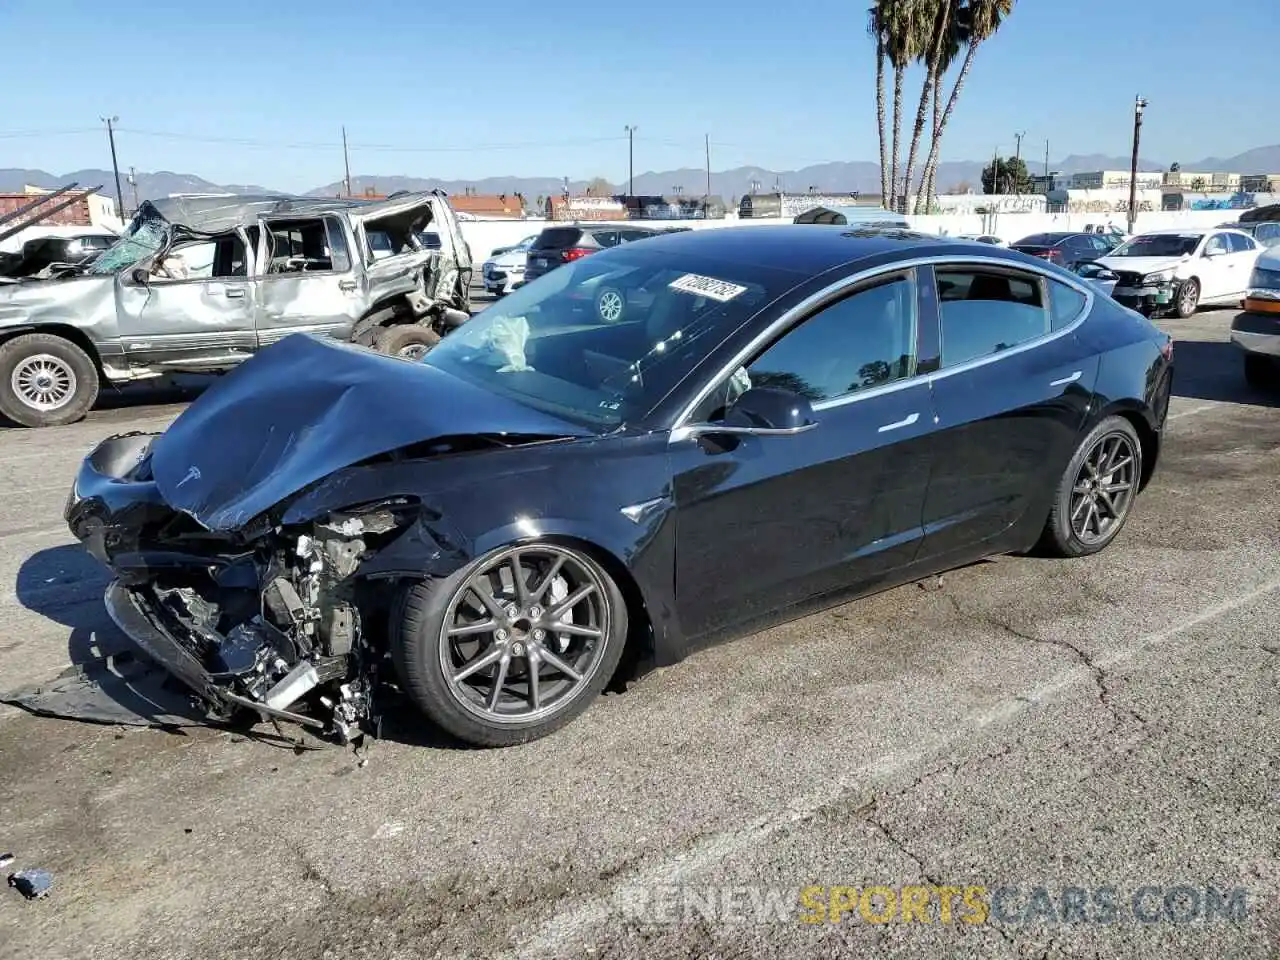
(513, 646)
(1096, 491)
(408, 341)
(45, 380)
(1188, 298)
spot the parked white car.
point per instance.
(503, 272)
(1256, 331)
(1179, 270)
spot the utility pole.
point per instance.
(1017, 159)
(631, 159)
(1046, 158)
(133, 182)
(707, 141)
(1139, 104)
(115, 166)
(346, 162)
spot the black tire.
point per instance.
(1060, 537)
(418, 621)
(408, 341)
(611, 305)
(67, 357)
(1187, 298)
(1260, 371)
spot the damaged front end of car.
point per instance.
(271, 620)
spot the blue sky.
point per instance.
(516, 87)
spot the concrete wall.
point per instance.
(484, 235)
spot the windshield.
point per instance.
(603, 339)
(142, 239)
(1159, 245)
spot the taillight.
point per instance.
(1054, 255)
(574, 253)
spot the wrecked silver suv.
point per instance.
(198, 284)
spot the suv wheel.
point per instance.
(45, 381)
(408, 341)
(611, 305)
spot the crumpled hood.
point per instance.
(1143, 265)
(307, 406)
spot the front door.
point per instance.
(309, 282)
(1215, 268)
(1011, 396)
(195, 310)
(766, 522)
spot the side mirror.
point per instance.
(140, 276)
(1214, 253)
(770, 411)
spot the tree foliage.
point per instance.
(1006, 175)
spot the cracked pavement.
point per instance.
(1021, 723)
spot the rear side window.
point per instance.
(983, 313)
(558, 238)
(1065, 304)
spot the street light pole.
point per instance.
(115, 166)
(1139, 104)
(1017, 160)
(631, 159)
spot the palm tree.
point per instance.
(956, 35)
(980, 20)
(874, 28)
(896, 26)
(938, 29)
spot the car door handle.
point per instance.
(235, 293)
(346, 285)
(1065, 380)
(904, 422)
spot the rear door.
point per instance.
(1243, 256)
(1010, 397)
(308, 278)
(1216, 268)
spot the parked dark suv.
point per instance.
(1066, 249)
(559, 245)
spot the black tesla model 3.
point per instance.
(798, 415)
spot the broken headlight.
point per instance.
(374, 519)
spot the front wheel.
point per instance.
(407, 341)
(1096, 491)
(1188, 298)
(513, 646)
(45, 381)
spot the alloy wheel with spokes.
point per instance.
(513, 645)
(610, 306)
(43, 382)
(1104, 489)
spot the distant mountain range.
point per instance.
(863, 176)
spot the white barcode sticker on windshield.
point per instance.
(720, 290)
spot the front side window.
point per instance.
(863, 341)
(984, 312)
(1217, 244)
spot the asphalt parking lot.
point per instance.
(1111, 722)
